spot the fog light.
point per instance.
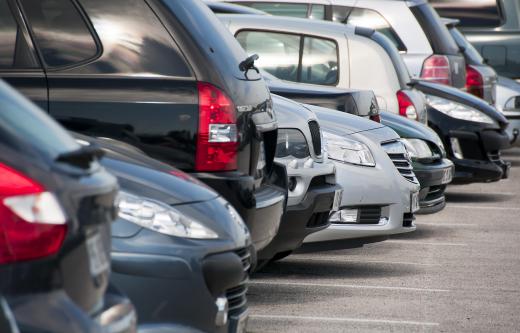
(222, 311)
(455, 147)
(344, 216)
(292, 183)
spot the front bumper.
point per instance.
(309, 216)
(261, 208)
(433, 178)
(480, 145)
(513, 130)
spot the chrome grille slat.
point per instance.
(398, 154)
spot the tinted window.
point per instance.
(14, 51)
(287, 58)
(279, 53)
(317, 12)
(282, 9)
(471, 13)
(319, 61)
(133, 39)
(340, 13)
(371, 19)
(436, 32)
(60, 32)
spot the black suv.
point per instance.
(163, 75)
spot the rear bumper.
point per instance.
(261, 208)
(309, 216)
(433, 179)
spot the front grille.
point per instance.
(314, 127)
(408, 219)
(399, 156)
(318, 181)
(494, 156)
(435, 192)
(236, 296)
(318, 220)
(369, 215)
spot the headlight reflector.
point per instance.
(457, 110)
(346, 150)
(291, 142)
(160, 217)
(418, 149)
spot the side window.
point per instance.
(287, 57)
(371, 19)
(317, 12)
(340, 13)
(14, 51)
(60, 32)
(279, 53)
(133, 39)
(471, 13)
(319, 61)
(282, 9)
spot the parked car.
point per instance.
(481, 79)
(341, 57)
(229, 8)
(179, 250)
(492, 26)
(56, 206)
(312, 190)
(508, 102)
(412, 25)
(372, 164)
(433, 170)
(162, 75)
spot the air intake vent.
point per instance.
(399, 156)
(316, 137)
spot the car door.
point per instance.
(19, 65)
(113, 70)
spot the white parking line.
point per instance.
(342, 259)
(483, 207)
(345, 320)
(345, 286)
(444, 224)
(397, 241)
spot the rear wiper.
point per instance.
(81, 157)
(249, 63)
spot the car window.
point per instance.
(60, 32)
(283, 9)
(471, 13)
(340, 13)
(371, 19)
(469, 50)
(279, 53)
(319, 61)
(133, 39)
(317, 12)
(14, 51)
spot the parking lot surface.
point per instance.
(459, 272)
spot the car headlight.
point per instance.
(160, 217)
(346, 150)
(419, 149)
(457, 110)
(291, 142)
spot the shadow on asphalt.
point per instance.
(425, 232)
(459, 197)
(271, 295)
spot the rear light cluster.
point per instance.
(32, 222)
(406, 107)
(436, 68)
(376, 118)
(217, 141)
(474, 82)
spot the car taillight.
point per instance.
(474, 82)
(436, 68)
(376, 118)
(406, 107)
(217, 141)
(32, 222)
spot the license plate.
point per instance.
(414, 202)
(448, 176)
(337, 200)
(97, 256)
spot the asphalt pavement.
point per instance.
(459, 272)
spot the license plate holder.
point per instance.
(447, 176)
(337, 200)
(98, 260)
(414, 202)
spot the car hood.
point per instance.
(509, 83)
(459, 96)
(411, 129)
(289, 113)
(144, 176)
(345, 122)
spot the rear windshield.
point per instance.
(22, 122)
(437, 33)
(469, 50)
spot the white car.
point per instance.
(374, 168)
(326, 53)
(413, 25)
(508, 102)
